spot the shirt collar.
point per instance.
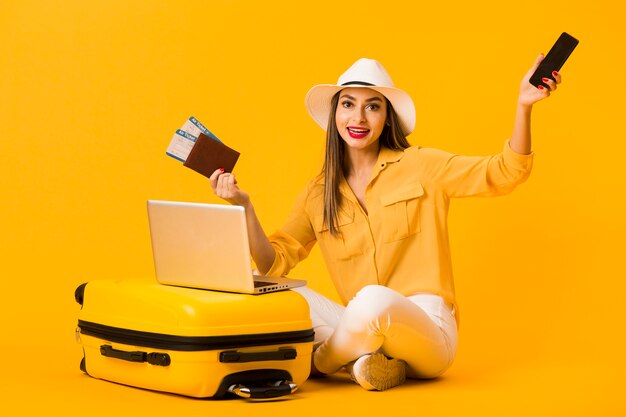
(387, 155)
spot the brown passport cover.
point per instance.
(207, 155)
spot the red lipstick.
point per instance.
(357, 132)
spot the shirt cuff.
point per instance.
(517, 159)
(277, 267)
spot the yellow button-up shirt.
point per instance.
(402, 241)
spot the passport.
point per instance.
(200, 150)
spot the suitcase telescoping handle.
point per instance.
(282, 354)
(153, 358)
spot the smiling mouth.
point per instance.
(357, 132)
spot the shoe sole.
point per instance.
(376, 372)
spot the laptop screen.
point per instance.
(200, 245)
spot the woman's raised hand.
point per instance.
(224, 185)
(529, 94)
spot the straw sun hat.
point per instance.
(363, 73)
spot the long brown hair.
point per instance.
(391, 137)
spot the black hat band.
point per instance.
(358, 83)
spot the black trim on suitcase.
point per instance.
(190, 343)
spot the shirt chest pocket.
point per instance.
(344, 246)
(401, 212)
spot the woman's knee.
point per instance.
(372, 301)
(376, 294)
(429, 368)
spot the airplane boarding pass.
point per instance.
(184, 138)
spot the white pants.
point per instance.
(419, 329)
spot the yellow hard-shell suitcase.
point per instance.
(194, 342)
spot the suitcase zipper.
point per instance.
(190, 343)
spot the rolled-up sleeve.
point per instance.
(481, 176)
(293, 242)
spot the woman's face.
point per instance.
(360, 117)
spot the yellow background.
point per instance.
(91, 93)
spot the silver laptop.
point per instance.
(206, 246)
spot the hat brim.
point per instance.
(318, 102)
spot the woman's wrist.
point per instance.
(524, 108)
(247, 205)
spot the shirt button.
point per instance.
(382, 165)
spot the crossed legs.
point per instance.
(420, 330)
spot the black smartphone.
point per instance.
(555, 59)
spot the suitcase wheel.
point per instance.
(79, 294)
(277, 389)
(258, 383)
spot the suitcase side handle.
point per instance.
(282, 354)
(153, 358)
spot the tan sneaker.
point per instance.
(376, 372)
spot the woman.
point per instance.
(378, 211)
